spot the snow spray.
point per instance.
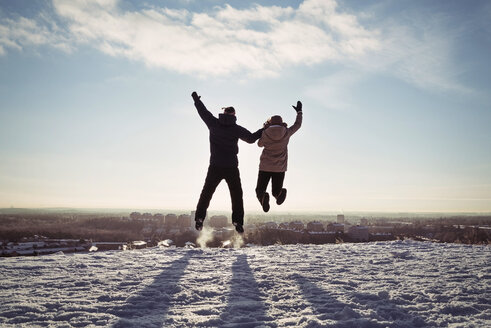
(237, 241)
(205, 236)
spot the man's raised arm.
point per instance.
(204, 113)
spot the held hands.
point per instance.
(298, 108)
(195, 96)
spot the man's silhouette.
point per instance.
(224, 136)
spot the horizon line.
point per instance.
(255, 212)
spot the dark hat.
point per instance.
(276, 120)
(228, 110)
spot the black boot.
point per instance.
(264, 200)
(199, 224)
(238, 227)
(281, 196)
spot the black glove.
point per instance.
(195, 96)
(298, 108)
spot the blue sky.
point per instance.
(95, 105)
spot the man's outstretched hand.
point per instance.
(298, 108)
(195, 96)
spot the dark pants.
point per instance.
(213, 178)
(263, 180)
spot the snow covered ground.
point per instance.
(385, 284)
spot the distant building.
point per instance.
(296, 225)
(135, 215)
(184, 221)
(381, 229)
(159, 218)
(358, 233)
(364, 221)
(250, 228)
(381, 221)
(218, 221)
(270, 225)
(340, 218)
(283, 225)
(335, 227)
(147, 216)
(315, 226)
(170, 221)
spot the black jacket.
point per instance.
(224, 136)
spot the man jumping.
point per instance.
(224, 136)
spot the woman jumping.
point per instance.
(274, 158)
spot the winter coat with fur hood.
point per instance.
(274, 139)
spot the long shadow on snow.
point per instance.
(388, 310)
(149, 308)
(244, 305)
(327, 306)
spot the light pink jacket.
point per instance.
(274, 139)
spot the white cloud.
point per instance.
(240, 18)
(23, 32)
(325, 13)
(257, 41)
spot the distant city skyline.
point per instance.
(96, 108)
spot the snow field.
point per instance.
(386, 284)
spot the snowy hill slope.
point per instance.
(390, 284)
